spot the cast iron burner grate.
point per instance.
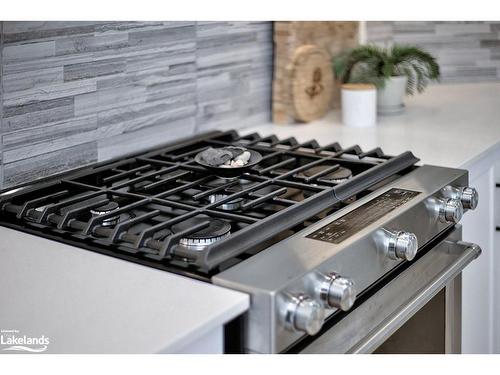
(130, 206)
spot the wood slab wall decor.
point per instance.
(333, 37)
(312, 83)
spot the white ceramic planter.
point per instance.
(359, 104)
(390, 99)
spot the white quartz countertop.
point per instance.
(85, 302)
(448, 125)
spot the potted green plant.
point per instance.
(394, 71)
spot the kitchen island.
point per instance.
(456, 126)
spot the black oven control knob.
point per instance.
(337, 292)
(401, 245)
(469, 198)
(304, 314)
(450, 210)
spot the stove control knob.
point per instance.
(304, 314)
(402, 245)
(469, 198)
(450, 210)
(336, 291)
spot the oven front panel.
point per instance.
(368, 325)
(293, 267)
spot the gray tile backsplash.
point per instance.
(466, 51)
(1, 104)
(234, 67)
(73, 93)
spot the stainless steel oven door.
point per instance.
(419, 307)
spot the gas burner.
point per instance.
(338, 176)
(236, 203)
(241, 181)
(162, 185)
(228, 206)
(221, 181)
(216, 230)
(105, 209)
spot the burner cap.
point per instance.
(105, 209)
(216, 228)
(233, 205)
(337, 176)
(102, 210)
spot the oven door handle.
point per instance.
(369, 325)
(382, 333)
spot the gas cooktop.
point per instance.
(310, 232)
(164, 210)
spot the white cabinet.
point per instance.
(481, 279)
(477, 286)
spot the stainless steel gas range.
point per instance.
(341, 250)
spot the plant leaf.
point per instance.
(374, 64)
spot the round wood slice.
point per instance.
(312, 83)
